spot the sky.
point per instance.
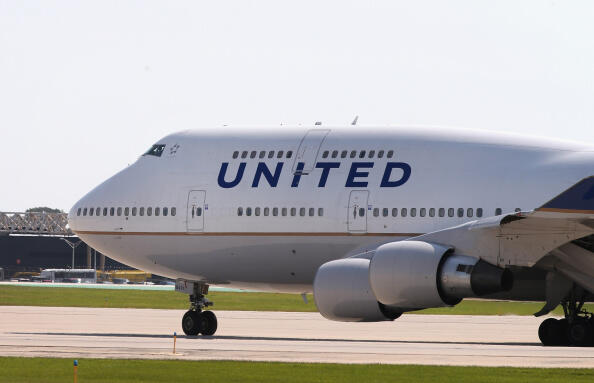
(88, 86)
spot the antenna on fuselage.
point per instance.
(355, 120)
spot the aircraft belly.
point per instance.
(268, 263)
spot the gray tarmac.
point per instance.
(278, 336)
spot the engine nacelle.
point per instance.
(414, 275)
(402, 276)
(342, 293)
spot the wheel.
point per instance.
(209, 321)
(580, 333)
(547, 332)
(191, 322)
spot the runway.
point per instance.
(278, 336)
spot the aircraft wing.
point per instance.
(562, 228)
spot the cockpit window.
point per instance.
(155, 150)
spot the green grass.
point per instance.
(73, 297)
(21, 370)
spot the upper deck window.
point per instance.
(155, 150)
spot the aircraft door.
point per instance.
(195, 213)
(308, 149)
(357, 212)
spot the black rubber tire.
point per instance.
(210, 323)
(191, 323)
(547, 332)
(579, 333)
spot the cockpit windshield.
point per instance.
(155, 150)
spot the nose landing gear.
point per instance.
(195, 321)
(576, 329)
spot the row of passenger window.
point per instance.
(431, 212)
(362, 154)
(126, 211)
(262, 154)
(283, 212)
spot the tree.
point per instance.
(43, 209)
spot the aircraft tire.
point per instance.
(579, 333)
(191, 322)
(209, 323)
(547, 332)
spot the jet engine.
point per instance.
(403, 276)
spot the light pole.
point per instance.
(73, 245)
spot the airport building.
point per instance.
(30, 242)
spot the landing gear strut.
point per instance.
(576, 329)
(195, 321)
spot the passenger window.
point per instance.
(289, 154)
(413, 212)
(85, 211)
(432, 212)
(78, 211)
(422, 212)
(479, 212)
(105, 212)
(253, 154)
(266, 212)
(91, 210)
(149, 211)
(141, 212)
(134, 210)
(293, 211)
(98, 211)
(498, 211)
(262, 154)
(257, 212)
(312, 211)
(403, 212)
(380, 154)
(362, 154)
(127, 211)
(302, 212)
(119, 211)
(325, 154)
(248, 211)
(441, 212)
(460, 212)
(361, 212)
(334, 153)
(320, 211)
(173, 211)
(385, 212)
(235, 154)
(394, 212)
(343, 154)
(199, 211)
(451, 212)
(376, 212)
(279, 154)
(353, 154)
(275, 211)
(271, 154)
(469, 212)
(158, 211)
(165, 211)
(371, 153)
(240, 211)
(390, 154)
(111, 211)
(284, 211)
(244, 154)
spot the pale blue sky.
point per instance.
(87, 86)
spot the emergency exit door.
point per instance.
(195, 213)
(308, 150)
(357, 211)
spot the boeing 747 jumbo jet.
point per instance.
(375, 222)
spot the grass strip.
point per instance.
(49, 370)
(73, 297)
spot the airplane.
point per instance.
(374, 221)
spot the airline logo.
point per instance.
(395, 174)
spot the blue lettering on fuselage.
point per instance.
(356, 178)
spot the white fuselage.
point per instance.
(248, 216)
